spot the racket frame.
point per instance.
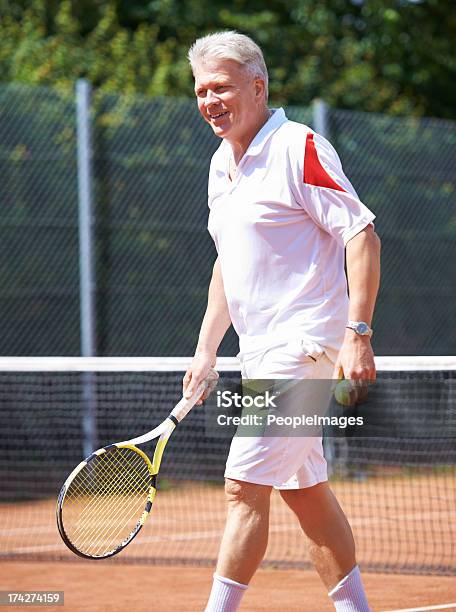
(153, 468)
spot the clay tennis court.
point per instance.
(401, 523)
(95, 586)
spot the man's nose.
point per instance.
(211, 98)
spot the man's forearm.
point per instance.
(363, 274)
(216, 320)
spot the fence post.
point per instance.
(321, 126)
(87, 287)
(86, 246)
(320, 117)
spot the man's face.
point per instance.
(229, 99)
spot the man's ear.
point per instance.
(259, 87)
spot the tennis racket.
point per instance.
(107, 498)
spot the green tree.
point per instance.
(392, 56)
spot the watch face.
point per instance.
(362, 329)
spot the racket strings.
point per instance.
(88, 529)
(106, 500)
(120, 484)
(104, 466)
(99, 482)
(117, 511)
(114, 518)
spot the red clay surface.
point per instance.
(397, 521)
(402, 523)
(98, 586)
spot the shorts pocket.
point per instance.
(305, 350)
(279, 359)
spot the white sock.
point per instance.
(349, 595)
(226, 595)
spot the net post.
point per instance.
(86, 259)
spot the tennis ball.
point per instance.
(345, 393)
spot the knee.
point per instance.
(239, 492)
(302, 500)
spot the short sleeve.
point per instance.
(325, 193)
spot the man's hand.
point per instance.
(356, 358)
(355, 363)
(198, 371)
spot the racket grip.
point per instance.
(186, 404)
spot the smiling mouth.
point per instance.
(219, 115)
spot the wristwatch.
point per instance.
(360, 327)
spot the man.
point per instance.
(283, 216)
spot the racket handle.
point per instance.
(186, 404)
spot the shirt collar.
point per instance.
(277, 118)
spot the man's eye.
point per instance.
(201, 93)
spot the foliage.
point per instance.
(392, 56)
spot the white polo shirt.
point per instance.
(280, 229)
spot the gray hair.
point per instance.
(230, 45)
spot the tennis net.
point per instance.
(399, 493)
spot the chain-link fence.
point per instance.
(153, 253)
(38, 222)
(404, 169)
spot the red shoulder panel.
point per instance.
(314, 173)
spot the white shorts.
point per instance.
(281, 462)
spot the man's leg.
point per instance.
(245, 537)
(243, 544)
(331, 543)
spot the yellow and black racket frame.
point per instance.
(152, 466)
